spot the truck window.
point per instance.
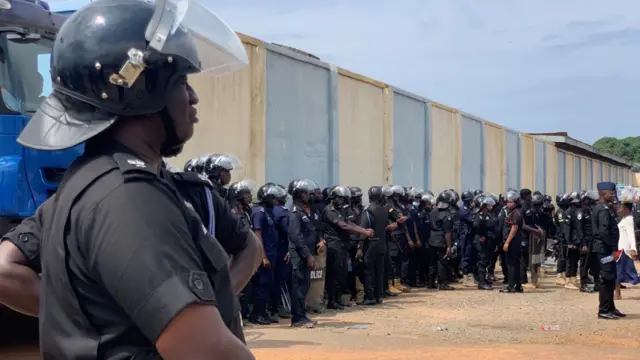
(24, 71)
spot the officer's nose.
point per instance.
(193, 97)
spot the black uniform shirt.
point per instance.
(485, 225)
(605, 230)
(129, 257)
(333, 234)
(302, 233)
(513, 218)
(376, 217)
(583, 234)
(442, 222)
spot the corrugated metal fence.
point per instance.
(289, 115)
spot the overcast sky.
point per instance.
(533, 66)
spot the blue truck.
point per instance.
(27, 177)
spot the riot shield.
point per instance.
(536, 256)
(315, 296)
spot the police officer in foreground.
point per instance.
(512, 238)
(303, 240)
(373, 249)
(605, 245)
(337, 233)
(589, 263)
(484, 229)
(441, 242)
(128, 270)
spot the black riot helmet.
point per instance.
(268, 194)
(243, 191)
(547, 199)
(218, 166)
(559, 198)
(325, 193)
(190, 165)
(477, 192)
(114, 59)
(574, 198)
(340, 195)
(375, 194)
(397, 191)
(356, 192)
(456, 196)
(297, 187)
(466, 196)
(537, 199)
(444, 200)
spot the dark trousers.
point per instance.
(300, 283)
(245, 299)
(468, 256)
(512, 258)
(262, 283)
(493, 259)
(337, 270)
(423, 256)
(524, 263)
(589, 265)
(411, 275)
(503, 263)
(374, 278)
(357, 272)
(573, 255)
(484, 251)
(281, 275)
(400, 259)
(439, 265)
(608, 274)
(561, 265)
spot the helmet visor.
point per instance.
(228, 162)
(179, 26)
(246, 184)
(305, 185)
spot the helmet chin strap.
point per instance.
(172, 145)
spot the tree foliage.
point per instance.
(627, 148)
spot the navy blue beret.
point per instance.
(606, 185)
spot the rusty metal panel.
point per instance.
(551, 159)
(577, 173)
(237, 98)
(472, 141)
(445, 148)
(299, 117)
(513, 149)
(495, 160)
(570, 185)
(411, 139)
(562, 172)
(361, 132)
(589, 175)
(606, 172)
(540, 166)
(527, 164)
(583, 173)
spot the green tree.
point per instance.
(627, 148)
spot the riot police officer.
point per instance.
(282, 266)
(357, 264)
(126, 95)
(373, 249)
(303, 240)
(400, 241)
(570, 228)
(441, 242)
(562, 223)
(589, 264)
(337, 235)
(466, 238)
(427, 202)
(512, 242)
(412, 206)
(484, 229)
(264, 225)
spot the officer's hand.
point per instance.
(449, 252)
(634, 254)
(483, 239)
(393, 226)
(320, 247)
(412, 244)
(615, 255)
(266, 263)
(571, 246)
(402, 220)
(369, 233)
(287, 258)
(359, 254)
(585, 249)
(505, 247)
(418, 244)
(311, 263)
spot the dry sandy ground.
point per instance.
(479, 325)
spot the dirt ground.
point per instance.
(464, 324)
